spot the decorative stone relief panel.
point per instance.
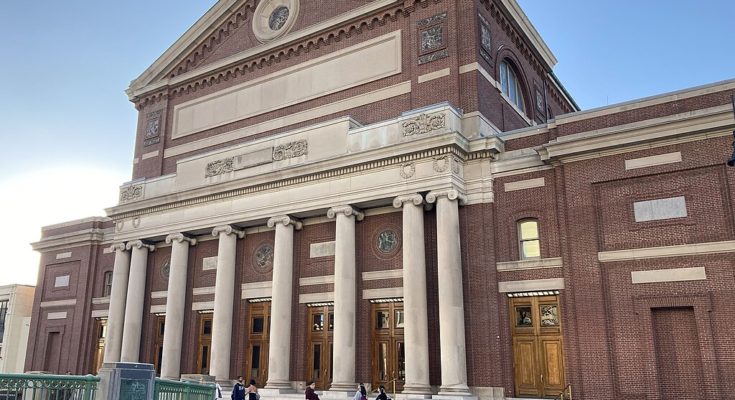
(263, 258)
(485, 39)
(152, 128)
(274, 18)
(290, 150)
(386, 241)
(220, 167)
(408, 170)
(424, 123)
(131, 193)
(432, 32)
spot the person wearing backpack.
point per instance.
(361, 393)
(238, 391)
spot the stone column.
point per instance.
(416, 326)
(345, 297)
(134, 301)
(118, 294)
(451, 302)
(279, 351)
(224, 297)
(175, 305)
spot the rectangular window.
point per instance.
(107, 289)
(3, 314)
(654, 210)
(528, 236)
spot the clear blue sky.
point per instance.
(67, 127)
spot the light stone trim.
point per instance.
(524, 184)
(659, 209)
(62, 281)
(668, 251)
(291, 119)
(316, 297)
(256, 290)
(529, 264)
(202, 306)
(148, 155)
(101, 300)
(651, 161)
(293, 85)
(433, 75)
(209, 263)
(158, 309)
(379, 275)
(316, 280)
(531, 285)
(668, 275)
(108, 250)
(159, 295)
(383, 293)
(58, 303)
(56, 315)
(323, 249)
(100, 313)
(61, 256)
(201, 291)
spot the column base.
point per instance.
(412, 396)
(415, 391)
(455, 392)
(273, 389)
(340, 389)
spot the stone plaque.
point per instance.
(134, 389)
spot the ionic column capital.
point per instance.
(139, 244)
(285, 220)
(451, 194)
(347, 210)
(180, 238)
(227, 230)
(414, 198)
(118, 247)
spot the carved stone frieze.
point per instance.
(455, 165)
(408, 170)
(441, 163)
(220, 167)
(434, 19)
(291, 150)
(434, 56)
(424, 123)
(131, 193)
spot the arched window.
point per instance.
(529, 244)
(107, 289)
(511, 85)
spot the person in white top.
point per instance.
(361, 393)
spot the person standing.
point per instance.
(310, 394)
(252, 390)
(217, 391)
(382, 395)
(238, 391)
(361, 393)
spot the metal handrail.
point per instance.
(47, 387)
(165, 389)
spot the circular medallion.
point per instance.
(166, 269)
(387, 241)
(278, 18)
(263, 258)
(274, 18)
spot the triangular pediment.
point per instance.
(227, 33)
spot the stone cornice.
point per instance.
(227, 230)
(339, 168)
(347, 210)
(589, 144)
(73, 239)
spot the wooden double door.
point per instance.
(538, 358)
(320, 346)
(389, 350)
(258, 337)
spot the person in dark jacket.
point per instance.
(238, 391)
(310, 394)
(381, 394)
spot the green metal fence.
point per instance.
(47, 387)
(174, 390)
